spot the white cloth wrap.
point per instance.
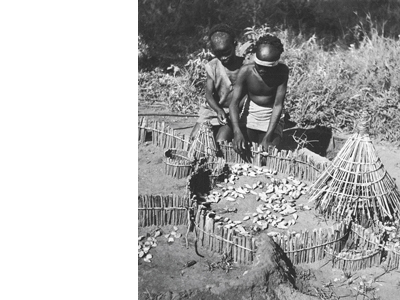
(258, 118)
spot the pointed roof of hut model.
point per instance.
(203, 144)
(356, 183)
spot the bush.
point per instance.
(182, 91)
(331, 88)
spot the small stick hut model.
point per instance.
(203, 144)
(210, 169)
(202, 152)
(356, 184)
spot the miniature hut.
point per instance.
(356, 183)
(203, 144)
(209, 169)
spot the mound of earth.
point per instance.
(271, 276)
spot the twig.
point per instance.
(386, 271)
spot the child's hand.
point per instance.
(222, 117)
(239, 143)
(266, 143)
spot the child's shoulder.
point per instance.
(283, 67)
(247, 66)
(212, 61)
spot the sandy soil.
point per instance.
(167, 278)
(151, 177)
(167, 274)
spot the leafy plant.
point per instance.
(182, 91)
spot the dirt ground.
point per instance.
(166, 276)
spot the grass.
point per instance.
(327, 88)
(331, 88)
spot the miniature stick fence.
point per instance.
(365, 250)
(364, 238)
(162, 210)
(162, 135)
(220, 239)
(351, 247)
(308, 247)
(286, 161)
(177, 164)
(393, 256)
(355, 260)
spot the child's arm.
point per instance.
(239, 90)
(276, 112)
(211, 101)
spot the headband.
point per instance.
(265, 63)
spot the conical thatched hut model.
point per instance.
(203, 144)
(356, 184)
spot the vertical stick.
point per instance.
(246, 252)
(296, 247)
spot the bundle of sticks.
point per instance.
(203, 144)
(356, 184)
(218, 168)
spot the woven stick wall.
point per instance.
(356, 183)
(224, 240)
(308, 247)
(162, 210)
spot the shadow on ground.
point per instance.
(319, 139)
(315, 139)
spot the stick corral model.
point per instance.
(177, 164)
(356, 184)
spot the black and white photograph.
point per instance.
(268, 156)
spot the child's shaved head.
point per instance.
(221, 32)
(223, 43)
(221, 38)
(270, 40)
